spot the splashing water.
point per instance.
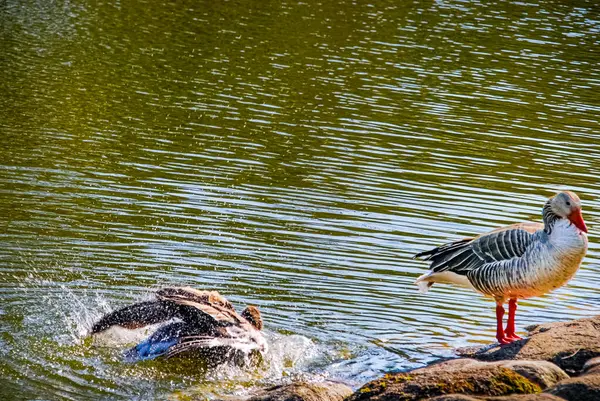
(53, 337)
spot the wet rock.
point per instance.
(567, 344)
(459, 376)
(322, 391)
(583, 388)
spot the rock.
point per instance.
(454, 397)
(525, 397)
(583, 388)
(322, 391)
(458, 376)
(543, 373)
(566, 344)
(514, 397)
(592, 366)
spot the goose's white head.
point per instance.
(567, 205)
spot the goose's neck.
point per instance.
(550, 218)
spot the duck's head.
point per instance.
(252, 315)
(567, 205)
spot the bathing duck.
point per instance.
(197, 322)
(515, 262)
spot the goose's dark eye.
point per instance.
(568, 203)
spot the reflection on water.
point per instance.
(292, 156)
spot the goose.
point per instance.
(200, 321)
(515, 262)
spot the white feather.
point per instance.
(426, 280)
(423, 286)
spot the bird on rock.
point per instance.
(519, 261)
(201, 322)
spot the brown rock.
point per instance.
(543, 373)
(525, 397)
(514, 397)
(567, 344)
(458, 376)
(454, 397)
(323, 391)
(592, 366)
(583, 388)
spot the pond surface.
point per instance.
(290, 155)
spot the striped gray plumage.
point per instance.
(493, 262)
(549, 217)
(489, 261)
(519, 261)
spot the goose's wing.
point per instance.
(472, 253)
(245, 344)
(204, 309)
(137, 315)
(210, 303)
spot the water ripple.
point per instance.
(292, 156)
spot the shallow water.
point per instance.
(293, 156)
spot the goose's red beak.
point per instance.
(577, 219)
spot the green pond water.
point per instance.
(292, 155)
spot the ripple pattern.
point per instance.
(293, 156)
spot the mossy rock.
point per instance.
(461, 376)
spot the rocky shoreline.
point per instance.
(556, 362)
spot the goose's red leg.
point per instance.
(509, 334)
(499, 326)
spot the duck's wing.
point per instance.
(138, 315)
(472, 253)
(210, 303)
